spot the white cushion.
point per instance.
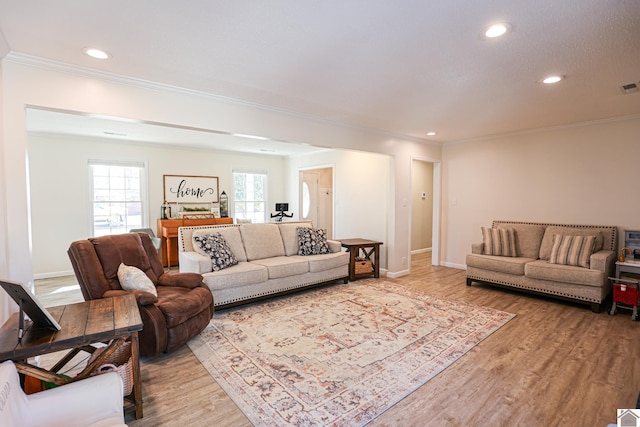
(133, 279)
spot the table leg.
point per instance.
(353, 252)
(376, 266)
(168, 245)
(137, 383)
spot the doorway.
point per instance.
(425, 196)
(316, 198)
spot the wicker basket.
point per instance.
(364, 266)
(119, 362)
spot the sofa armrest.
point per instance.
(193, 262)
(602, 261)
(334, 245)
(100, 397)
(477, 248)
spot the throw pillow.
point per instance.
(312, 241)
(499, 241)
(572, 250)
(133, 279)
(214, 246)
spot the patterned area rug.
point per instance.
(339, 355)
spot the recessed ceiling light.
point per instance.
(552, 79)
(431, 133)
(497, 30)
(96, 53)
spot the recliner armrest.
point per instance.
(182, 280)
(142, 297)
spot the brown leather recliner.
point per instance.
(184, 305)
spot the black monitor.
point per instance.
(282, 207)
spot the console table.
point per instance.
(368, 248)
(82, 324)
(168, 232)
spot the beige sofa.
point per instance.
(538, 265)
(268, 261)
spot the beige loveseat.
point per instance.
(268, 261)
(540, 264)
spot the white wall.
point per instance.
(361, 189)
(60, 193)
(586, 174)
(32, 82)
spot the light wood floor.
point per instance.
(555, 363)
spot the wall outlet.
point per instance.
(404, 261)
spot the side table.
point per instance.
(368, 248)
(625, 291)
(82, 324)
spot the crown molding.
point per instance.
(544, 129)
(49, 64)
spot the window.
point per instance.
(249, 196)
(117, 197)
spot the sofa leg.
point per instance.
(469, 281)
(595, 307)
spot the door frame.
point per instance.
(333, 189)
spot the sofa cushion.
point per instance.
(289, 233)
(283, 266)
(528, 238)
(509, 265)
(499, 241)
(543, 270)
(231, 236)
(261, 241)
(547, 240)
(216, 247)
(326, 262)
(572, 250)
(312, 241)
(241, 274)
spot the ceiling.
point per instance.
(404, 67)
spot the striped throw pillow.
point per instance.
(572, 250)
(499, 241)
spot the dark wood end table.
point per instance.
(368, 248)
(82, 324)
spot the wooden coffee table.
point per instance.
(113, 320)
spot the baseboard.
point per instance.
(396, 274)
(420, 251)
(454, 265)
(53, 274)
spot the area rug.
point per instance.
(339, 355)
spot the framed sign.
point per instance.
(190, 189)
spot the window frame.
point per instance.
(144, 194)
(233, 201)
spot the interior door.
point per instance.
(309, 196)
